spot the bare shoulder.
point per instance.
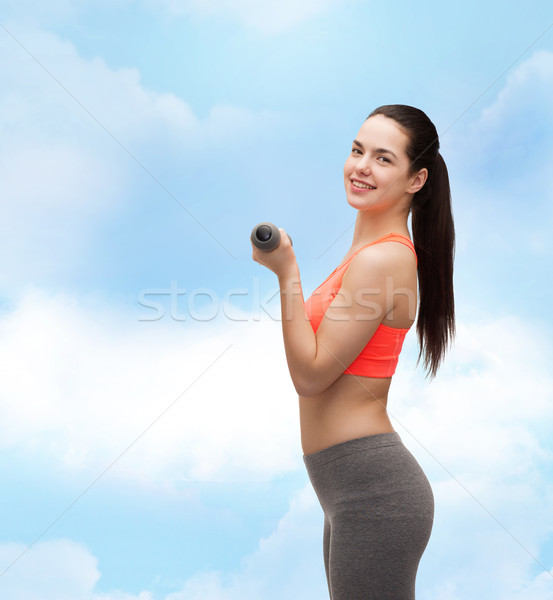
(388, 272)
(381, 260)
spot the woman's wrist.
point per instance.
(289, 276)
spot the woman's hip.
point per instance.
(373, 475)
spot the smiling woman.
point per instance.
(342, 351)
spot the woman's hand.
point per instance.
(281, 260)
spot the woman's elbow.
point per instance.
(301, 387)
(311, 386)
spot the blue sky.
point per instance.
(149, 432)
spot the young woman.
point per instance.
(342, 347)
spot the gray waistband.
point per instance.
(343, 448)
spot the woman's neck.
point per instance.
(369, 229)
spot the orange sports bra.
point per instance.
(380, 356)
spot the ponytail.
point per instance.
(434, 240)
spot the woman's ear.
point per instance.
(418, 181)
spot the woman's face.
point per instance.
(379, 159)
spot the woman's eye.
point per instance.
(354, 150)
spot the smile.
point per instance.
(362, 186)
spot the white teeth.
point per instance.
(363, 185)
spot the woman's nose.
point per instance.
(363, 167)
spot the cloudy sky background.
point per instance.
(149, 431)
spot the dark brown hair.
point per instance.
(433, 234)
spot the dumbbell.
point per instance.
(266, 236)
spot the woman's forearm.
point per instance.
(300, 341)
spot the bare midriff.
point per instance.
(352, 407)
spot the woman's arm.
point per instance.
(315, 361)
(300, 341)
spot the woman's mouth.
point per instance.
(360, 186)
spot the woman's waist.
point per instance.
(323, 424)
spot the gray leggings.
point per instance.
(378, 513)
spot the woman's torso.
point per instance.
(355, 406)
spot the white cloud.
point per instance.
(83, 381)
(539, 588)
(287, 564)
(31, 12)
(505, 155)
(496, 379)
(60, 569)
(514, 125)
(61, 173)
(268, 17)
(533, 78)
(35, 104)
